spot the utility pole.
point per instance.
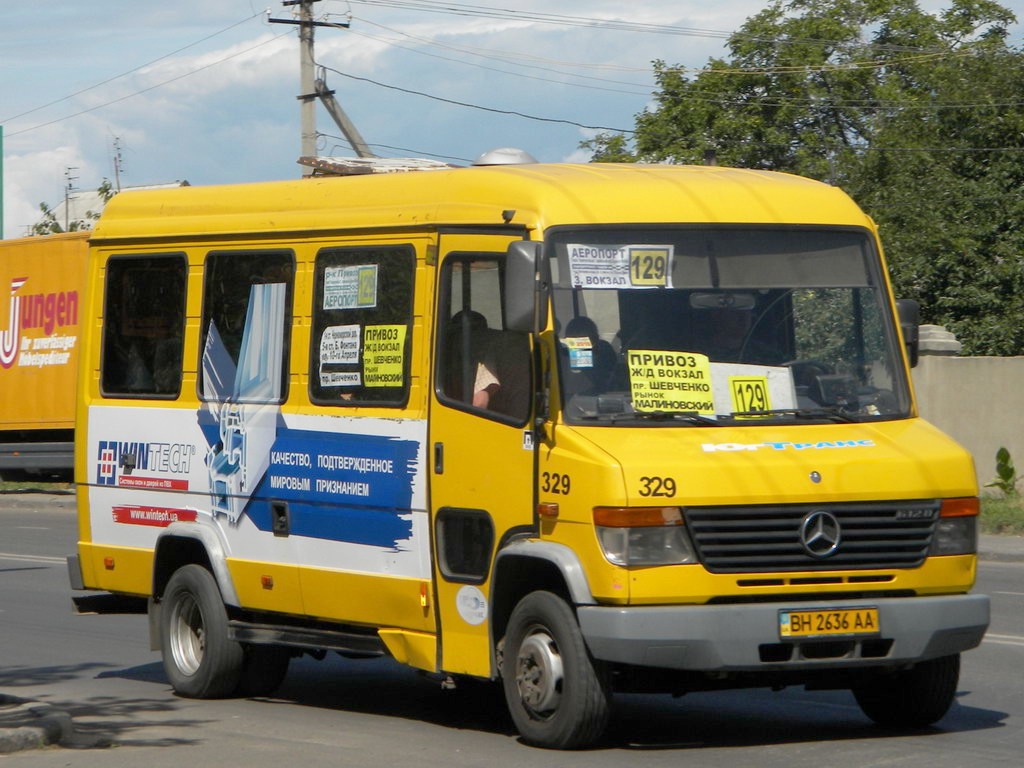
(307, 86)
(117, 163)
(68, 189)
(312, 87)
(1, 182)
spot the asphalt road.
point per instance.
(340, 712)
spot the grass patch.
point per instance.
(34, 486)
(1002, 514)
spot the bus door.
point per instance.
(481, 470)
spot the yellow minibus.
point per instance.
(576, 429)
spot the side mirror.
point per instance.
(909, 312)
(526, 287)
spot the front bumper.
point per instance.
(745, 637)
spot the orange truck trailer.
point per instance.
(40, 289)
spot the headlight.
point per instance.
(957, 530)
(633, 536)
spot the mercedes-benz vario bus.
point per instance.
(577, 429)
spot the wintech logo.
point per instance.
(107, 465)
(115, 457)
(119, 463)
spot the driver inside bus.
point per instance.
(723, 327)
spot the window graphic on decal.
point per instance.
(246, 429)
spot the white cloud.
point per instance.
(34, 178)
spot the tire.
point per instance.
(559, 698)
(199, 659)
(911, 698)
(263, 669)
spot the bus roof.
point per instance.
(534, 196)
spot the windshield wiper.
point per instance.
(828, 414)
(691, 417)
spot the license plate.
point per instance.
(839, 621)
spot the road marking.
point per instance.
(1015, 594)
(31, 558)
(1004, 639)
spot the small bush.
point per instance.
(1002, 515)
(1006, 474)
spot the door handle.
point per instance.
(438, 458)
(280, 518)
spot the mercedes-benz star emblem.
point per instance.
(820, 533)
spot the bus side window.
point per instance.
(143, 326)
(361, 337)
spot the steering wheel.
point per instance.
(805, 370)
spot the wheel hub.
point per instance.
(539, 672)
(188, 636)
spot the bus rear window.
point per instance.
(143, 326)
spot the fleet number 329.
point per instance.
(664, 487)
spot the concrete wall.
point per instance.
(979, 401)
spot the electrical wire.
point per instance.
(482, 11)
(645, 92)
(406, 152)
(494, 110)
(514, 58)
(149, 88)
(774, 101)
(130, 71)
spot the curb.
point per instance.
(1000, 557)
(34, 725)
(1001, 548)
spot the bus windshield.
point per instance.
(715, 325)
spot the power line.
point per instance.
(463, 9)
(477, 106)
(645, 92)
(481, 11)
(150, 88)
(406, 152)
(517, 57)
(508, 57)
(810, 102)
(130, 71)
(511, 58)
(860, 148)
(772, 101)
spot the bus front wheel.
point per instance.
(911, 698)
(559, 698)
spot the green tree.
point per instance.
(918, 116)
(48, 225)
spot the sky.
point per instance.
(143, 92)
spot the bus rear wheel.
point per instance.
(200, 660)
(263, 670)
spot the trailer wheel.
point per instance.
(263, 669)
(911, 698)
(200, 660)
(558, 696)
